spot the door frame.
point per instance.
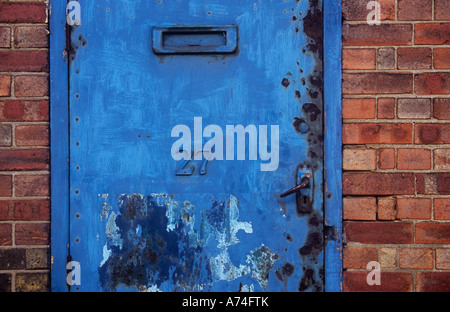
(59, 146)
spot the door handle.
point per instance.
(303, 191)
(304, 183)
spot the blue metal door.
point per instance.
(189, 121)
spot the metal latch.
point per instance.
(303, 191)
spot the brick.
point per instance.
(356, 10)
(359, 159)
(386, 108)
(433, 282)
(12, 259)
(414, 10)
(31, 185)
(5, 185)
(432, 233)
(5, 213)
(31, 86)
(386, 208)
(32, 135)
(433, 183)
(380, 35)
(388, 258)
(378, 83)
(413, 159)
(441, 58)
(413, 208)
(360, 208)
(5, 135)
(432, 83)
(379, 232)
(31, 36)
(358, 108)
(32, 61)
(25, 210)
(5, 85)
(32, 282)
(441, 109)
(31, 210)
(359, 257)
(17, 110)
(414, 108)
(432, 133)
(358, 59)
(379, 133)
(378, 183)
(416, 258)
(37, 258)
(23, 12)
(435, 33)
(17, 160)
(386, 58)
(32, 234)
(443, 258)
(5, 37)
(386, 158)
(5, 234)
(441, 10)
(441, 208)
(414, 58)
(355, 281)
(5, 282)
(441, 159)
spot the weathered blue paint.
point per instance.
(333, 143)
(120, 149)
(59, 126)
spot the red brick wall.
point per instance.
(396, 136)
(24, 147)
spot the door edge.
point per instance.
(333, 144)
(59, 146)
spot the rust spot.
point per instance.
(313, 27)
(307, 280)
(289, 238)
(300, 125)
(312, 110)
(313, 244)
(285, 82)
(284, 272)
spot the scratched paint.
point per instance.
(152, 246)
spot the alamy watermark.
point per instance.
(374, 16)
(214, 148)
(73, 276)
(374, 276)
(73, 13)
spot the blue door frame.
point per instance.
(60, 172)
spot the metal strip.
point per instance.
(333, 143)
(59, 147)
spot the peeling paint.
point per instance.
(152, 244)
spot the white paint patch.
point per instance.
(223, 269)
(106, 254)
(112, 231)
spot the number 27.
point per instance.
(185, 170)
